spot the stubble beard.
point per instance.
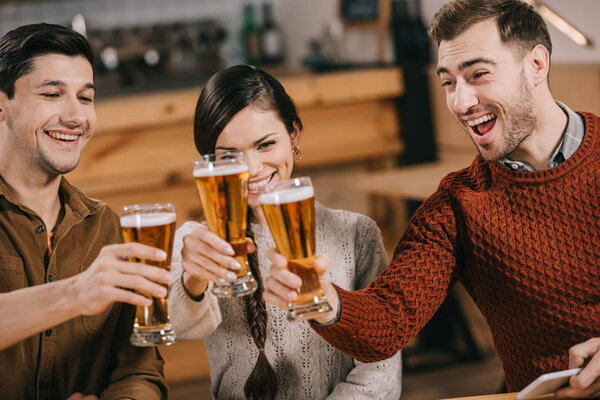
(519, 125)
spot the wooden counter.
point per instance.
(505, 396)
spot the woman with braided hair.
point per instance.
(254, 352)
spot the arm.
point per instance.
(586, 384)
(377, 321)
(379, 380)
(135, 372)
(29, 311)
(192, 317)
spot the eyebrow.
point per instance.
(262, 139)
(467, 64)
(61, 83)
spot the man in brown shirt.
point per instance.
(62, 280)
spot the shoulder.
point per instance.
(475, 177)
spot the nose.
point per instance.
(73, 113)
(254, 163)
(463, 98)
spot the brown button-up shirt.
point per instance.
(87, 354)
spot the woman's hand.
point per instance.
(206, 257)
(585, 384)
(282, 285)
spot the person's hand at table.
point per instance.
(282, 286)
(586, 384)
(203, 258)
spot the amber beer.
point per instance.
(222, 182)
(153, 225)
(289, 209)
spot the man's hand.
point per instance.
(110, 276)
(586, 384)
(282, 285)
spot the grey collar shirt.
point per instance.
(569, 144)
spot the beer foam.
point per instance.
(287, 195)
(147, 220)
(219, 170)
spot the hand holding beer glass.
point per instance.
(289, 208)
(222, 182)
(152, 225)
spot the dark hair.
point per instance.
(518, 23)
(227, 93)
(20, 46)
(230, 91)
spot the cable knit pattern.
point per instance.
(307, 367)
(526, 245)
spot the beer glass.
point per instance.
(152, 225)
(289, 208)
(222, 182)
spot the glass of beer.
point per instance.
(222, 182)
(152, 225)
(289, 207)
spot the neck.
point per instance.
(539, 147)
(33, 189)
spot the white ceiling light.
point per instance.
(560, 23)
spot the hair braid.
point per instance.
(262, 381)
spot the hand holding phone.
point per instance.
(547, 383)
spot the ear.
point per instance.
(295, 136)
(3, 105)
(538, 62)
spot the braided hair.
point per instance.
(225, 94)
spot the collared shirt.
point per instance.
(87, 354)
(569, 144)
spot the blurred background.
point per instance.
(377, 136)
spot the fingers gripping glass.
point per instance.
(222, 182)
(289, 207)
(152, 225)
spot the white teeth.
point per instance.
(257, 185)
(481, 120)
(62, 136)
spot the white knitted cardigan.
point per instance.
(307, 367)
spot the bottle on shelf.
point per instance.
(250, 36)
(271, 38)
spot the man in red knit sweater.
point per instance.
(520, 227)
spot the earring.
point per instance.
(297, 153)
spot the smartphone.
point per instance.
(547, 383)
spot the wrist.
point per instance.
(194, 286)
(69, 301)
(333, 299)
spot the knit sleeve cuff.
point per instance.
(193, 318)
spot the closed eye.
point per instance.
(266, 145)
(50, 95)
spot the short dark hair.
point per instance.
(230, 91)
(518, 23)
(20, 46)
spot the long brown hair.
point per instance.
(227, 93)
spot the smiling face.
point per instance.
(263, 138)
(51, 116)
(487, 89)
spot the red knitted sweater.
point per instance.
(526, 245)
